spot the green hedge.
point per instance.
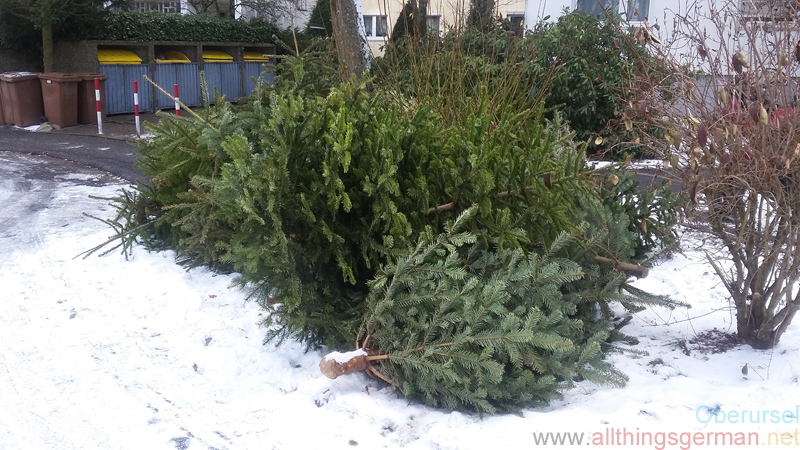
(154, 26)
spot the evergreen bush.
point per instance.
(309, 197)
(155, 26)
(580, 65)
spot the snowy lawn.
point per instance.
(104, 353)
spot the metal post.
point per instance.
(99, 108)
(177, 104)
(136, 107)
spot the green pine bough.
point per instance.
(459, 326)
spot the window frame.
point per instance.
(372, 30)
(518, 28)
(766, 13)
(165, 7)
(611, 5)
(438, 28)
(631, 7)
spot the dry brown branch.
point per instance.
(442, 208)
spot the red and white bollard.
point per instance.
(177, 104)
(99, 109)
(136, 107)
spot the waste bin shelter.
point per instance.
(257, 64)
(123, 67)
(222, 74)
(177, 68)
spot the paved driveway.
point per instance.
(111, 155)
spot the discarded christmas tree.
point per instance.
(330, 208)
(460, 326)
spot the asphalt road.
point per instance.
(111, 155)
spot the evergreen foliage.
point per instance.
(337, 184)
(481, 16)
(597, 63)
(23, 23)
(320, 15)
(155, 26)
(412, 21)
(470, 327)
(310, 193)
(579, 65)
(652, 213)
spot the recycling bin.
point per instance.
(21, 98)
(60, 95)
(87, 103)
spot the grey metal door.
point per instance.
(224, 76)
(186, 76)
(253, 70)
(119, 87)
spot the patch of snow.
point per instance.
(647, 164)
(599, 164)
(635, 164)
(342, 358)
(32, 128)
(107, 353)
(78, 176)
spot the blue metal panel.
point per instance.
(224, 76)
(186, 76)
(253, 70)
(119, 87)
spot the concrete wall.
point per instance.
(11, 62)
(75, 56)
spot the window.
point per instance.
(767, 10)
(433, 23)
(381, 27)
(593, 6)
(375, 26)
(517, 22)
(368, 25)
(637, 10)
(164, 7)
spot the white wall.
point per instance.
(536, 10)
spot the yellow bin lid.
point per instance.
(115, 56)
(174, 56)
(216, 56)
(255, 56)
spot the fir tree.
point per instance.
(412, 21)
(481, 15)
(460, 326)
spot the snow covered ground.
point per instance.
(104, 353)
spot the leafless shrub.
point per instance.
(720, 107)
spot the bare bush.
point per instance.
(720, 107)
